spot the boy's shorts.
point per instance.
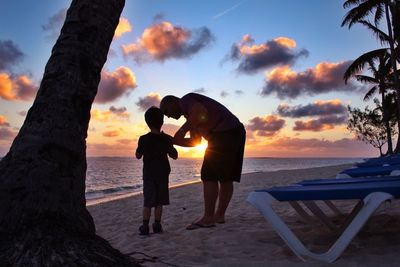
(223, 158)
(155, 192)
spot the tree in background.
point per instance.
(389, 11)
(378, 64)
(43, 215)
(368, 126)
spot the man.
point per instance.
(223, 159)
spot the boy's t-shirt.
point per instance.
(155, 149)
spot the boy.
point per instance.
(155, 147)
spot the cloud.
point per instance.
(164, 41)
(170, 129)
(9, 54)
(152, 99)
(253, 58)
(324, 78)
(109, 115)
(267, 126)
(224, 94)
(116, 84)
(239, 92)
(54, 24)
(123, 27)
(7, 134)
(119, 112)
(16, 87)
(199, 90)
(318, 108)
(3, 121)
(112, 133)
(323, 123)
(323, 147)
(22, 113)
(125, 141)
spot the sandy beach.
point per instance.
(246, 239)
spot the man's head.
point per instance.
(170, 106)
(154, 118)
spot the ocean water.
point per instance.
(115, 176)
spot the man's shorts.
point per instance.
(223, 158)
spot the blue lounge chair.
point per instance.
(349, 180)
(381, 161)
(370, 171)
(370, 196)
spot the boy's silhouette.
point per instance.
(155, 147)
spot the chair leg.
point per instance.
(263, 200)
(299, 209)
(320, 215)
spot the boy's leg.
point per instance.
(146, 213)
(158, 213)
(224, 197)
(144, 228)
(157, 228)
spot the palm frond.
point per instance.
(378, 33)
(358, 64)
(370, 93)
(366, 79)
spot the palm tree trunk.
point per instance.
(393, 59)
(43, 215)
(387, 122)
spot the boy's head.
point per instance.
(154, 118)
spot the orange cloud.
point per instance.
(152, 99)
(164, 40)
(267, 126)
(256, 57)
(318, 108)
(3, 121)
(325, 77)
(109, 115)
(115, 84)
(112, 133)
(312, 147)
(16, 88)
(123, 27)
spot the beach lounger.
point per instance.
(370, 171)
(370, 196)
(381, 161)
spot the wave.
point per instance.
(119, 190)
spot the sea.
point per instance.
(109, 178)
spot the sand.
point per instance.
(246, 239)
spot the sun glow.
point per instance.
(193, 152)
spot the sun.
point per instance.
(201, 147)
(193, 152)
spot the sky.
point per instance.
(276, 64)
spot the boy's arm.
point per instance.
(173, 153)
(139, 152)
(181, 140)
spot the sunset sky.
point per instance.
(276, 64)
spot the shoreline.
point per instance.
(246, 239)
(113, 197)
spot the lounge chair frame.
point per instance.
(262, 200)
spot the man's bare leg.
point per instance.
(224, 197)
(210, 193)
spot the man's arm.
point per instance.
(191, 141)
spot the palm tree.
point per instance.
(43, 215)
(380, 8)
(378, 62)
